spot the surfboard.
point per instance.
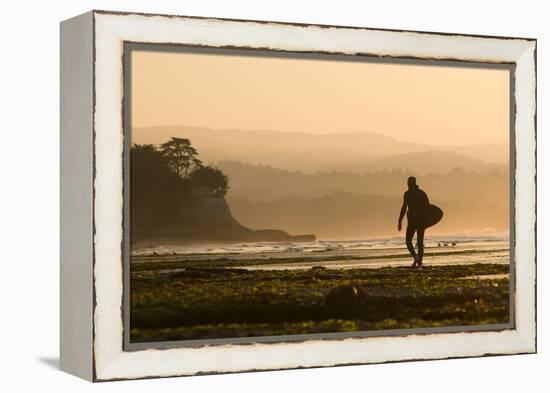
(433, 215)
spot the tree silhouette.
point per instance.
(211, 179)
(164, 180)
(181, 156)
(155, 189)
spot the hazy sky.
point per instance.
(414, 103)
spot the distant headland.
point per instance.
(177, 198)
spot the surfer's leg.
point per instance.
(420, 241)
(408, 240)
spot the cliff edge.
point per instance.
(206, 218)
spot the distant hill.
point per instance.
(422, 163)
(488, 152)
(266, 183)
(308, 152)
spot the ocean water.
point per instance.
(473, 242)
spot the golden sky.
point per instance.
(415, 103)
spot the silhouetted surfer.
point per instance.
(415, 203)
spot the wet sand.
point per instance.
(460, 254)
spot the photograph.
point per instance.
(281, 194)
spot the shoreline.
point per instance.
(391, 257)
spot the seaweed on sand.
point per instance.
(217, 302)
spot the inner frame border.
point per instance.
(129, 46)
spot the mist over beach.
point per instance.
(350, 185)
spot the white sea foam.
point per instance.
(471, 241)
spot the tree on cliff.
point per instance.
(155, 189)
(211, 179)
(181, 156)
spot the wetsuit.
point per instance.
(416, 202)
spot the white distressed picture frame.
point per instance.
(92, 168)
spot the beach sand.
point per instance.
(240, 290)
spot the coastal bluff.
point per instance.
(205, 219)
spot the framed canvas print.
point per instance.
(247, 195)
